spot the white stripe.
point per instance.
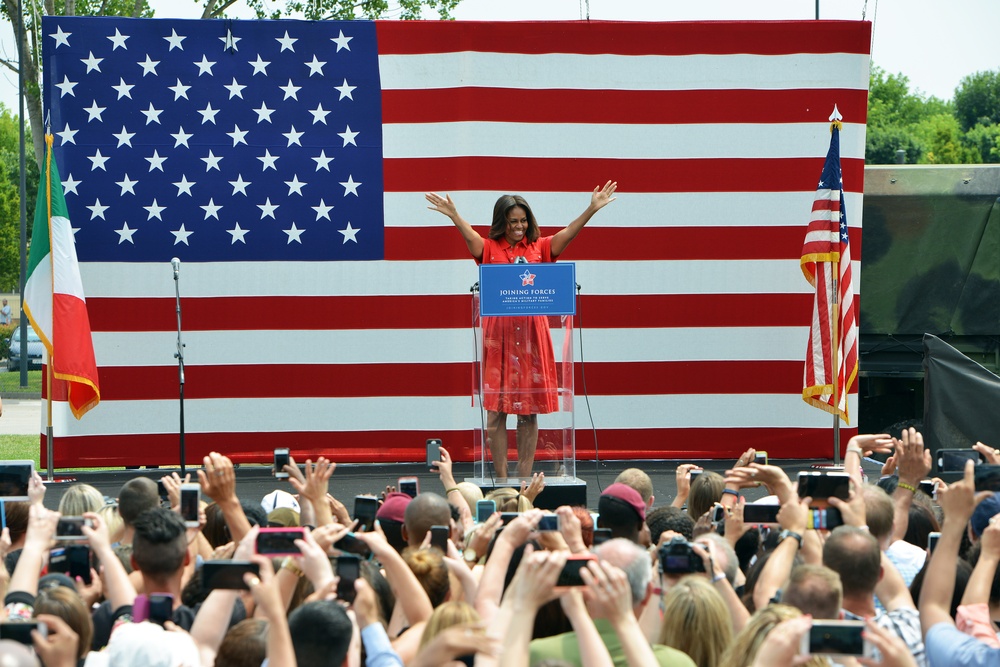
(440, 346)
(38, 297)
(67, 271)
(418, 413)
(820, 236)
(630, 210)
(616, 72)
(617, 141)
(279, 279)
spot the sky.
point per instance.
(933, 43)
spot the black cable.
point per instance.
(586, 395)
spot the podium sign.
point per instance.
(527, 289)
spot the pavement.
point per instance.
(21, 416)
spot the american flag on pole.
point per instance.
(326, 309)
(832, 356)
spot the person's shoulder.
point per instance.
(947, 645)
(556, 646)
(667, 656)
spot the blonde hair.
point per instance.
(445, 616)
(696, 621)
(509, 500)
(113, 520)
(743, 650)
(80, 498)
(471, 493)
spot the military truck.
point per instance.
(930, 264)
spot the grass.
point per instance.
(19, 447)
(25, 448)
(10, 383)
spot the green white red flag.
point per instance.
(53, 294)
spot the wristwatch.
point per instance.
(788, 533)
(470, 556)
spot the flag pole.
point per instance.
(835, 271)
(836, 369)
(50, 468)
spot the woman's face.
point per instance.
(517, 225)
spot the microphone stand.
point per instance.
(179, 355)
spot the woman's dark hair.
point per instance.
(215, 529)
(499, 226)
(383, 591)
(922, 523)
(706, 490)
(245, 645)
(962, 573)
(67, 605)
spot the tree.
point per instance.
(31, 47)
(10, 210)
(977, 100)
(349, 9)
(31, 43)
(985, 139)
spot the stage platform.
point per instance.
(253, 482)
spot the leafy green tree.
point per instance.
(943, 141)
(985, 139)
(31, 47)
(31, 44)
(977, 100)
(10, 209)
(350, 9)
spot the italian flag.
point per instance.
(53, 294)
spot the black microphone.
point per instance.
(176, 264)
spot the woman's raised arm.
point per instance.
(447, 207)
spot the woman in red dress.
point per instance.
(519, 368)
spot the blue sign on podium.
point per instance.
(527, 289)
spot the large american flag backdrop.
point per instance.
(327, 310)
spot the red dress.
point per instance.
(519, 369)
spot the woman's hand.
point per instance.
(531, 491)
(444, 204)
(36, 488)
(601, 197)
(172, 485)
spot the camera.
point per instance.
(677, 557)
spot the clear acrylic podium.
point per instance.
(555, 451)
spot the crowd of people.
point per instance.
(635, 583)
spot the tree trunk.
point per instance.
(32, 91)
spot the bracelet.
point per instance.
(731, 492)
(454, 488)
(293, 567)
(860, 452)
(719, 577)
(908, 487)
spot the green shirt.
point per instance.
(565, 647)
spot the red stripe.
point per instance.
(630, 244)
(446, 312)
(519, 174)
(408, 446)
(73, 354)
(632, 107)
(625, 38)
(445, 379)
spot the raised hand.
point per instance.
(442, 204)
(602, 196)
(218, 479)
